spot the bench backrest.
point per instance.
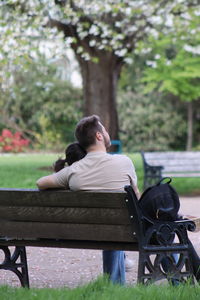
(61, 214)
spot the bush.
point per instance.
(10, 142)
(151, 122)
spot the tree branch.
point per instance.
(67, 29)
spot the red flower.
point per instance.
(17, 135)
(7, 148)
(7, 133)
(24, 142)
(12, 142)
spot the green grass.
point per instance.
(22, 171)
(103, 290)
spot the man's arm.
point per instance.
(133, 177)
(137, 192)
(47, 182)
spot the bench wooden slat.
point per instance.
(31, 197)
(184, 169)
(75, 244)
(173, 155)
(65, 214)
(34, 230)
(181, 163)
(165, 174)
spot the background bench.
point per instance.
(86, 220)
(173, 164)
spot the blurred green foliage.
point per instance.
(41, 105)
(150, 122)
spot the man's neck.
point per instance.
(96, 148)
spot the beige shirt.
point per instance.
(97, 171)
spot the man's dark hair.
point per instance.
(86, 130)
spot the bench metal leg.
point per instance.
(10, 263)
(151, 268)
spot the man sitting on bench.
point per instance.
(98, 170)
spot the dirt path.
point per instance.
(53, 267)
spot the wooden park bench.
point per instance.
(87, 220)
(170, 164)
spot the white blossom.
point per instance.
(151, 63)
(23, 89)
(156, 20)
(128, 11)
(121, 52)
(192, 49)
(168, 62)
(83, 34)
(86, 56)
(80, 50)
(128, 60)
(38, 83)
(197, 12)
(186, 16)
(157, 56)
(119, 37)
(94, 30)
(92, 43)
(132, 28)
(68, 40)
(154, 33)
(101, 47)
(145, 50)
(107, 8)
(169, 22)
(118, 24)
(193, 31)
(104, 42)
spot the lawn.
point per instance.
(103, 290)
(22, 171)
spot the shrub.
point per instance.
(12, 142)
(151, 123)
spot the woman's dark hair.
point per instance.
(73, 153)
(86, 130)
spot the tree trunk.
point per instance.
(99, 79)
(99, 88)
(189, 126)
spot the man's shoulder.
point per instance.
(120, 157)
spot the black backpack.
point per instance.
(160, 202)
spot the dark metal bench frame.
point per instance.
(148, 237)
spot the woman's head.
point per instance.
(73, 153)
